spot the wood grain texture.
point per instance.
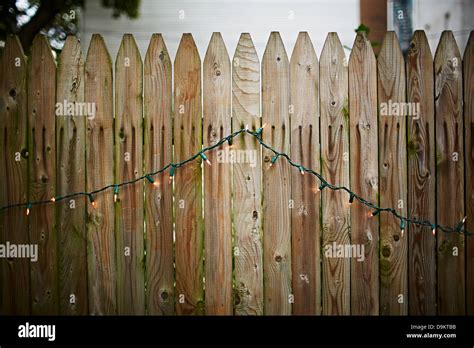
(14, 273)
(305, 223)
(70, 142)
(98, 89)
(364, 175)
(391, 87)
(42, 176)
(247, 187)
(217, 179)
(188, 183)
(334, 83)
(276, 179)
(421, 178)
(158, 152)
(449, 174)
(468, 76)
(128, 166)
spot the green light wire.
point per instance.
(460, 228)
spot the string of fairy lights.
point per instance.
(460, 228)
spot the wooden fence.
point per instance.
(241, 236)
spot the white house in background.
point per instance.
(435, 16)
(172, 18)
(260, 17)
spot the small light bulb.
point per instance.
(351, 199)
(204, 158)
(116, 191)
(53, 199)
(402, 226)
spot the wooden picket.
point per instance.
(449, 174)
(246, 234)
(14, 273)
(335, 167)
(158, 153)
(247, 188)
(128, 166)
(393, 177)
(42, 176)
(217, 179)
(421, 177)
(468, 76)
(101, 259)
(364, 175)
(305, 214)
(187, 180)
(70, 142)
(276, 179)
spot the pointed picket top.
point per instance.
(275, 50)
(447, 61)
(245, 83)
(303, 54)
(70, 68)
(419, 46)
(469, 50)
(390, 52)
(186, 49)
(97, 52)
(447, 48)
(332, 49)
(362, 50)
(333, 71)
(216, 50)
(128, 53)
(14, 49)
(304, 75)
(245, 54)
(391, 68)
(71, 45)
(216, 83)
(157, 49)
(41, 49)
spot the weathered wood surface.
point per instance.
(335, 168)
(128, 166)
(364, 175)
(71, 172)
(217, 179)
(14, 273)
(158, 153)
(247, 176)
(450, 209)
(42, 176)
(101, 258)
(468, 76)
(262, 245)
(276, 179)
(421, 178)
(187, 180)
(305, 215)
(393, 176)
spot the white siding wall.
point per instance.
(230, 17)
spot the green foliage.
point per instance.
(54, 18)
(123, 7)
